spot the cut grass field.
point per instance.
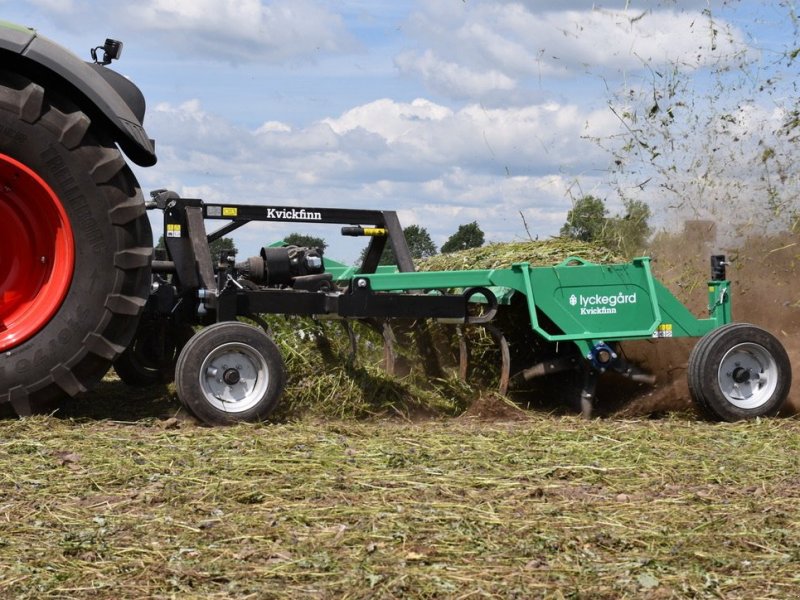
(530, 505)
(371, 486)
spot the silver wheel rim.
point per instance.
(748, 375)
(234, 377)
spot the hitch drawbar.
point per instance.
(579, 311)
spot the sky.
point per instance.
(447, 111)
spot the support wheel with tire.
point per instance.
(739, 371)
(228, 373)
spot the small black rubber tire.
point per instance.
(223, 347)
(113, 246)
(713, 366)
(137, 366)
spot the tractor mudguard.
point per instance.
(99, 92)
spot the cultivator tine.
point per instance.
(635, 373)
(505, 356)
(616, 363)
(463, 354)
(351, 336)
(556, 365)
(261, 323)
(588, 392)
(389, 355)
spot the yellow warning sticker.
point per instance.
(173, 230)
(663, 331)
(374, 231)
(229, 211)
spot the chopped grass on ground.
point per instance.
(121, 499)
(539, 507)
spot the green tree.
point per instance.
(419, 241)
(467, 236)
(626, 234)
(305, 241)
(586, 220)
(222, 245)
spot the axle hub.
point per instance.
(231, 376)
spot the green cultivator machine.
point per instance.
(579, 312)
(82, 288)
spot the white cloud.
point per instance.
(385, 141)
(508, 141)
(246, 30)
(471, 49)
(391, 120)
(57, 6)
(236, 31)
(273, 126)
(517, 87)
(440, 167)
(452, 79)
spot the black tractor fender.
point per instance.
(100, 92)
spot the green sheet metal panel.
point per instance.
(586, 300)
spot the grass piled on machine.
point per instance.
(336, 373)
(504, 254)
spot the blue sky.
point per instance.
(447, 111)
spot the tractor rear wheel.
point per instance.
(75, 248)
(151, 356)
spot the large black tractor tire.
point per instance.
(738, 372)
(151, 357)
(75, 248)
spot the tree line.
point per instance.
(420, 244)
(626, 233)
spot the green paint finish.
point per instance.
(588, 301)
(344, 273)
(578, 301)
(719, 306)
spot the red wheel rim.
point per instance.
(37, 253)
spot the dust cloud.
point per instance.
(765, 290)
